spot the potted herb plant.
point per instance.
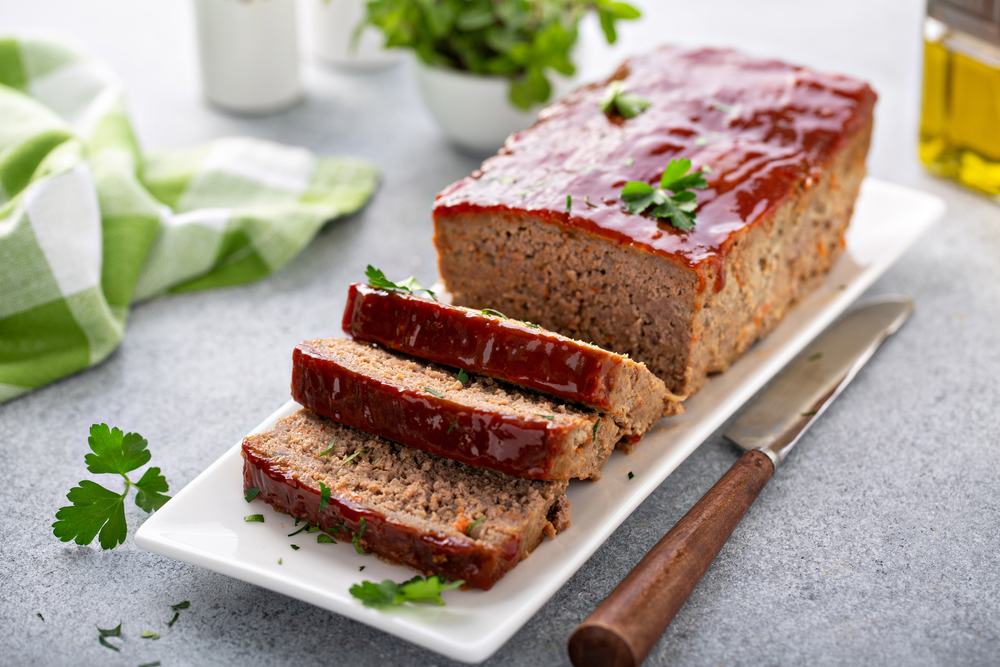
(485, 66)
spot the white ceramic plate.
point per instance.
(204, 523)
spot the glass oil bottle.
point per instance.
(960, 117)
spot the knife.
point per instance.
(621, 631)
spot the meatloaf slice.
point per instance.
(432, 514)
(424, 405)
(487, 342)
(783, 149)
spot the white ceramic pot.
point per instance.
(249, 54)
(474, 110)
(331, 30)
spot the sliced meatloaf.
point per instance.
(540, 232)
(481, 422)
(432, 514)
(487, 342)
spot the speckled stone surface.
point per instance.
(877, 543)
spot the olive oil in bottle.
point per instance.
(960, 118)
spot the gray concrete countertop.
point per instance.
(877, 543)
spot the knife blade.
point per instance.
(621, 631)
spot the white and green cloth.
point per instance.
(89, 224)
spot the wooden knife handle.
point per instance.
(623, 628)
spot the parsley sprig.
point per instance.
(377, 279)
(618, 102)
(678, 204)
(389, 593)
(96, 509)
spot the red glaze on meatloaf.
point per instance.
(510, 350)
(762, 126)
(434, 515)
(783, 150)
(423, 405)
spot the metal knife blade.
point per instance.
(626, 625)
(792, 402)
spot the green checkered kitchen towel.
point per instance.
(90, 225)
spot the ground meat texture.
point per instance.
(786, 147)
(482, 422)
(522, 353)
(419, 510)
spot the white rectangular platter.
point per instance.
(204, 525)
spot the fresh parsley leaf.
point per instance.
(433, 392)
(113, 632)
(377, 279)
(333, 443)
(324, 496)
(146, 634)
(171, 622)
(351, 457)
(114, 451)
(679, 206)
(809, 414)
(389, 593)
(814, 357)
(357, 545)
(39, 615)
(250, 494)
(155, 663)
(181, 605)
(148, 489)
(254, 518)
(99, 511)
(569, 203)
(630, 475)
(549, 417)
(279, 561)
(105, 642)
(323, 538)
(490, 311)
(468, 531)
(294, 547)
(596, 424)
(95, 509)
(586, 200)
(377, 595)
(626, 105)
(305, 527)
(361, 569)
(463, 377)
(448, 432)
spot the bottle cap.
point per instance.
(979, 18)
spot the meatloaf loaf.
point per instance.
(421, 404)
(488, 342)
(540, 232)
(432, 514)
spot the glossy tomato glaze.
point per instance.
(479, 564)
(764, 128)
(525, 447)
(501, 348)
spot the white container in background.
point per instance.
(474, 110)
(249, 54)
(331, 30)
